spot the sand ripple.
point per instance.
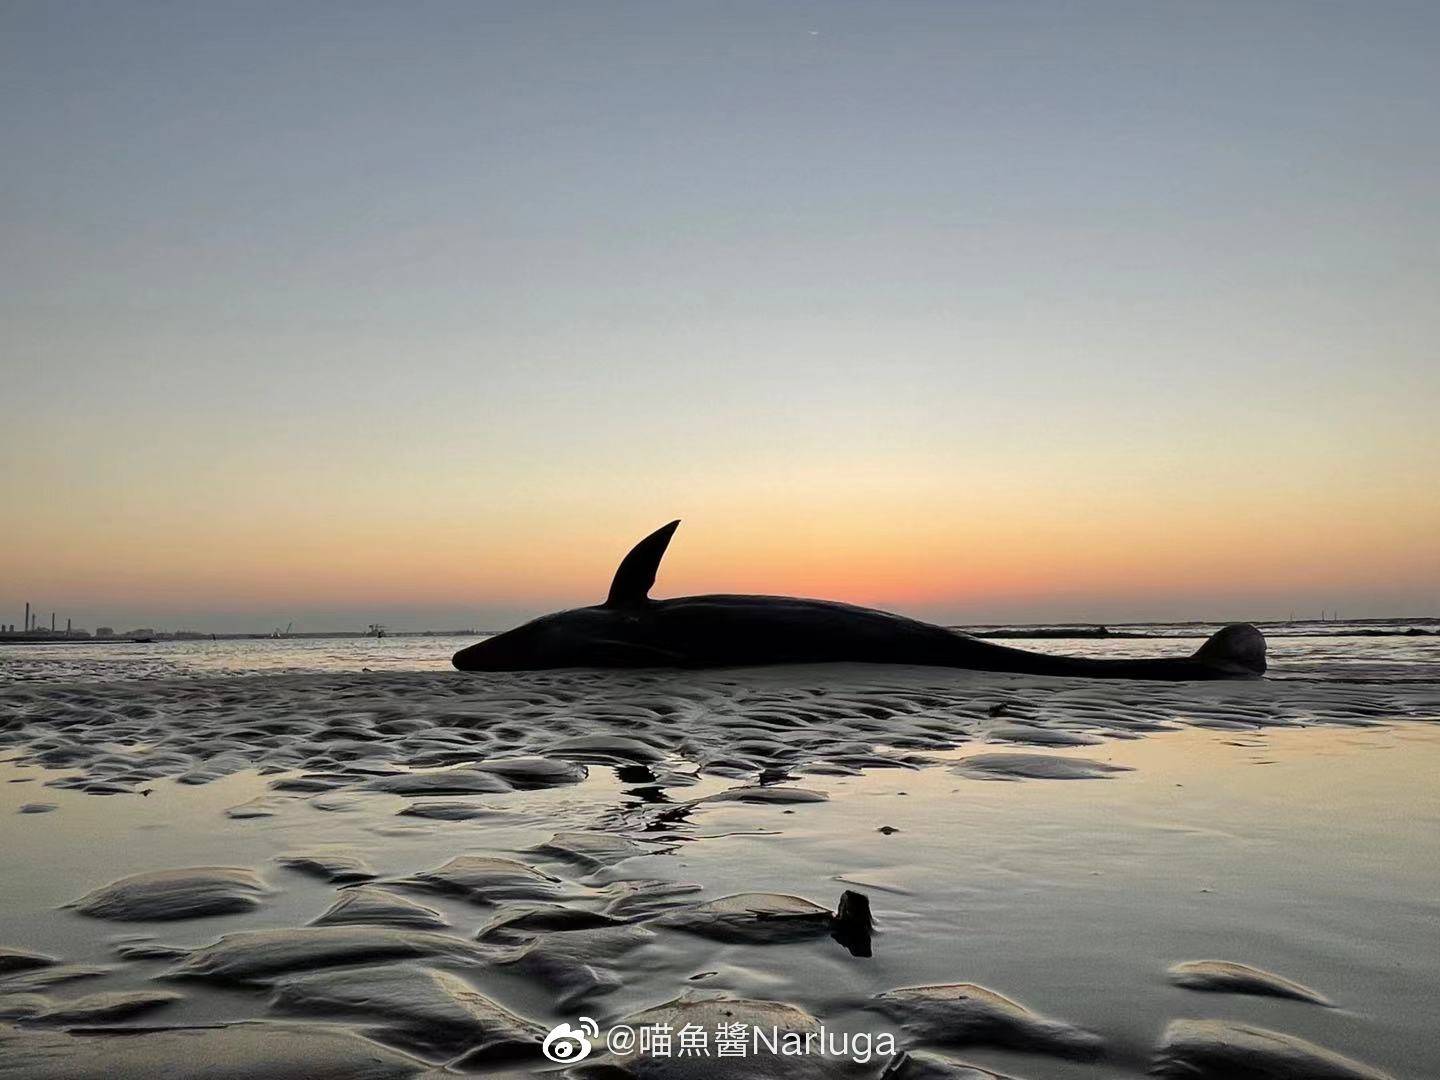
(248, 1051)
(369, 906)
(1224, 976)
(434, 1013)
(1220, 1050)
(339, 867)
(963, 1014)
(486, 880)
(919, 1065)
(102, 1008)
(176, 894)
(12, 960)
(439, 734)
(260, 955)
(754, 918)
(1035, 767)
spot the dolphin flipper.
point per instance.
(1237, 649)
(636, 574)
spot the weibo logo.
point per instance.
(567, 1043)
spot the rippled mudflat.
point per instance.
(389, 874)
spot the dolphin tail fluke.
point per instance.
(1236, 650)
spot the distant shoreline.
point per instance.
(61, 638)
(1104, 632)
(1428, 626)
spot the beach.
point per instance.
(424, 872)
(1044, 683)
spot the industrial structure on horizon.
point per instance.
(33, 627)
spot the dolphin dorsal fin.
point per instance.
(637, 570)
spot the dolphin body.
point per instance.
(630, 630)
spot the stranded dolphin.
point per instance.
(630, 630)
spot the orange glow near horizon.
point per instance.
(987, 556)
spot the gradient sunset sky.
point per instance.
(424, 312)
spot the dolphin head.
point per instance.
(617, 633)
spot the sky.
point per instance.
(424, 312)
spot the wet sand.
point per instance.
(1156, 871)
